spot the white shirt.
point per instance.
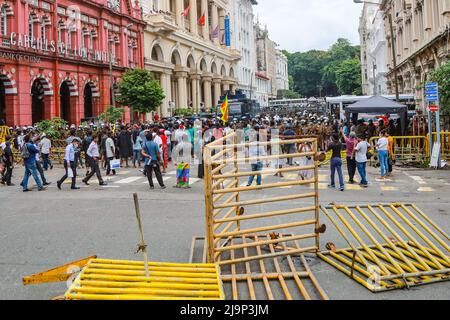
(159, 142)
(45, 145)
(383, 144)
(92, 151)
(256, 150)
(109, 143)
(361, 151)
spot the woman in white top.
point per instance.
(383, 154)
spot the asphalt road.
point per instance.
(42, 230)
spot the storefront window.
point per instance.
(4, 22)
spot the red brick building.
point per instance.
(55, 56)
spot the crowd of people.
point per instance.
(151, 147)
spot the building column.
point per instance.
(226, 86)
(217, 90)
(205, 28)
(166, 84)
(182, 90)
(195, 82)
(178, 11)
(215, 23)
(233, 88)
(207, 89)
(193, 16)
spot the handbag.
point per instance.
(115, 164)
(69, 173)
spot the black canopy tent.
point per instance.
(379, 105)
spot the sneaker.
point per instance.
(103, 184)
(163, 187)
(152, 188)
(331, 186)
(85, 182)
(341, 189)
(47, 183)
(26, 190)
(42, 189)
(75, 188)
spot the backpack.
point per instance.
(24, 152)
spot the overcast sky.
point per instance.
(301, 25)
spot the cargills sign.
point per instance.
(44, 45)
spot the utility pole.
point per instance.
(111, 79)
(394, 57)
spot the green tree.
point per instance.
(315, 70)
(52, 128)
(112, 114)
(348, 77)
(140, 91)
(442, 76)
(287, 94)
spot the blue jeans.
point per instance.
(46, 161)
(137, 157)
(336, 164)
(362, 172)
(31, 169)
(384, 162)
(256, 167)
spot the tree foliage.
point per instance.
(112, 114)
(442, 76)
(287, 94)
(321, 72)
(140, 91)
(52, 128)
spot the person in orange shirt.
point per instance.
(391, 157)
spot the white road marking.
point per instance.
(418, 179)
(128, 180)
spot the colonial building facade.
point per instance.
(55, 56)
(266, 55)
(421, 33)
(244, 38)
(373, 51)
(282, 71)
(189, 49)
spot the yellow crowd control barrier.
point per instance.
(103, 279)
(4, 132)
(407, 149)
(445, 144)
(391, 246)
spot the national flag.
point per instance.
(224, 110)
(202, 20)
(215, 33)
(186, 11)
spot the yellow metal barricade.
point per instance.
(407, 149)
(104, 279)
(445, 144)
(4, 132)
(390, 246)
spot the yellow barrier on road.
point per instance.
(4, 132)
(407, 149)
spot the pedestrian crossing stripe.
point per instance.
(389, 189)
(353, 187)
(122, 173)
(128, 180)
(425, 189)
(418, 179)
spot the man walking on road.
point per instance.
(70, 164)
(93, 156)
(29, 152)
(350, 144)
(152, 156)
(46, 146)
(110, 150)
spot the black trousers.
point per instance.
(7, 174)
(154, 166)
(351, 168)
(73, 166)
(95, 169)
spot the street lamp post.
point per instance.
(394, 54)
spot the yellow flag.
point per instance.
(224, 110)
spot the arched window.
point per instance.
(31, 26)
(43, 29)
(4, 21)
